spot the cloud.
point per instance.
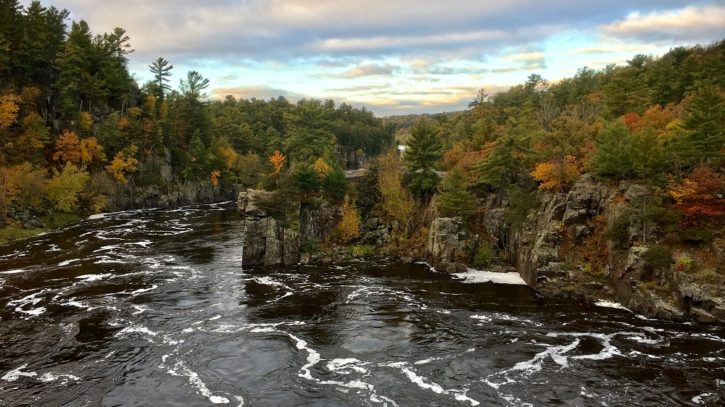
(369, 70)
(258, 92)
(685, 24)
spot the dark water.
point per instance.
(152, 308)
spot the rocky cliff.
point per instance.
(268, 240)
(561, 250)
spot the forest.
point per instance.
(77, 132)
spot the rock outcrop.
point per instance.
(447, 244)
(562, 251)
(267, 241)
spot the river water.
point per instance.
(152, 308)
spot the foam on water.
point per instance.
(610, 304)
(480, 276)
(17, 373)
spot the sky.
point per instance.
(393, 56)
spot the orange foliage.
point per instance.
(91, 150)
(632, 121)
(277, 161)
(123, 163)
(214, 176)
(68, 148)
(555, 175)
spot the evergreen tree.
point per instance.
(704, 122)
(161, 69)
(613, 156)
(454, 198)
(423, 152)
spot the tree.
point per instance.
(423, 152)
(454, 198)
(62, 190)
(9, 108)
(277, 161)
(349, 227)
(556, 175)
(161, 69)
(194, 85)
(68, 148)
(396, 202)
(613, 155)
(123, 163)
(704, 122)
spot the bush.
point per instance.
(683, 263)
(658, 257)
(484, 255)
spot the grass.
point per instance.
(363, 250)
(14, 232)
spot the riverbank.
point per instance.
(10, 233)
(597, 241)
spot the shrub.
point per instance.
(683, 263)
(349, 227)
(657, 257)
(484, 255)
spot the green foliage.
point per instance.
(658, 257)
(521, 202)
(454, 199)
(704, 124)
(423, 152)
(484, 256)
(335, 185)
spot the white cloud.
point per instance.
(682, 25)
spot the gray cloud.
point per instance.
(369, 70)
(185, 30)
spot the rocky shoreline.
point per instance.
(559, 251)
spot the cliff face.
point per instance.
(267, 241)
(561, 251)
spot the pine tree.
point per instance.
(423, 152)
(161, 70)
(704, 121)
(454, 198)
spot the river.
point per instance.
(152, 308)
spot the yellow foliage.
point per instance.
(230, 156)
(277, 161)
(214, 175)
(68, 148)
(322, 168)
(123, 163)
(9, 108)
(98, 203)
(150, 104)
(85, 121)
(20, 183)
(62, 190)
(91, 150)
(349, 226)
(397, 203)
(557, 176)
